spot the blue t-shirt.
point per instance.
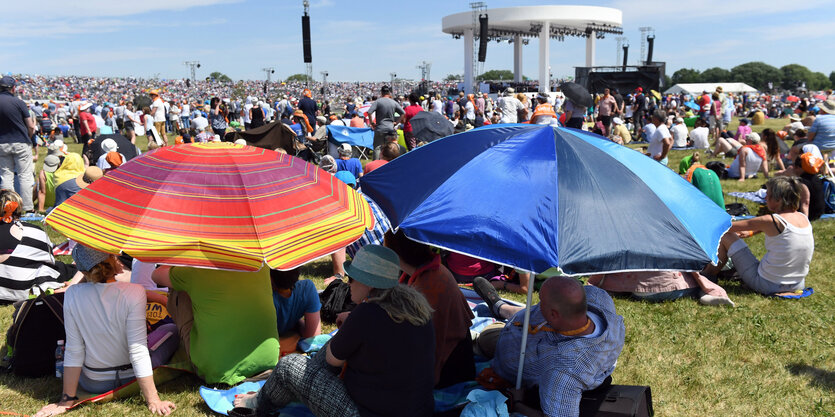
(824, 128)
(288, 311)
(353, 165)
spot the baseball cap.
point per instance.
(86, 258)
(7, 81)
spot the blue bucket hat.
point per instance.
(86, 258)
(374, 265)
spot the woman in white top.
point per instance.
(748, 162)
(107, 344)
(789, 242)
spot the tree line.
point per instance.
(759, 75)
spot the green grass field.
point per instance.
(766, 357)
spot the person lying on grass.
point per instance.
(107, 344)
(789, 242)
(659, 286)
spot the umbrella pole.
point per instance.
(525, 326)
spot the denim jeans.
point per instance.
(186, 122)
(16, 158)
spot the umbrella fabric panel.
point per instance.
(125, 147)
(429, 126)
(703, 221)
(508, 182)
(190, 205)
(425, 173)
(596, 214)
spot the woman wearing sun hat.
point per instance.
(107, 344)
(382, 347)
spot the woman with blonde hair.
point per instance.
(107, 344)
(789, 243)
(381, 345)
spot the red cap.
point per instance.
(639, 89)
(77, 95)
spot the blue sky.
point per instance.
(368, 39)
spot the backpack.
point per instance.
(37, 326)
(737, 209)
(829, 194)
(335, 299)
(719, 168)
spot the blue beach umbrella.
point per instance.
(692, 105)
(534, 196)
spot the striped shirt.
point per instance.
(561, 366)
(376, 234)
(31, 264)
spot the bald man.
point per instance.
(574, 341)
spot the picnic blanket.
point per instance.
(755, 196)
(795, 295)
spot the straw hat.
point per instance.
(91, 174)
(828, 106)
(374, 265)
(794, 118)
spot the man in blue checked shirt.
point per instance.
(574, 340)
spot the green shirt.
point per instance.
(708, 182)
(234, 333)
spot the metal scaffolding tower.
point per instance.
(645, 31)
(621, 40)
(193, 65)
(478, 67)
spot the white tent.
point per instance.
(697, 88)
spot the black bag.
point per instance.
(719, 168)
(737, 209)
(617, 401)
(335, 299)
(37, 326)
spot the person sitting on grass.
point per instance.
(789, 243)
(750, 159)
(226, 320)
(387, 152)
(346, 162)
(574, 341)
(296, 304)
(422, 269)
(723, 145)
(107, 344)
(659, 286)
(381, 348)
(26, 261)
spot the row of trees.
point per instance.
(758, 75)
(492, 75)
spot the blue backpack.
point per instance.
(829, 194)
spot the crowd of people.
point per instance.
(405, 292)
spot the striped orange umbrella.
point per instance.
(216, 205)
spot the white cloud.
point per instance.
(47, 9)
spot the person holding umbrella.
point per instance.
(574, 340)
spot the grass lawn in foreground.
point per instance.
(766, 357)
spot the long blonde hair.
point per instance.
(403, 303)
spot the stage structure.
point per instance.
(518, 24)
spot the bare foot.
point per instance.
(247, 400)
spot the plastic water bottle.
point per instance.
(59, 360)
